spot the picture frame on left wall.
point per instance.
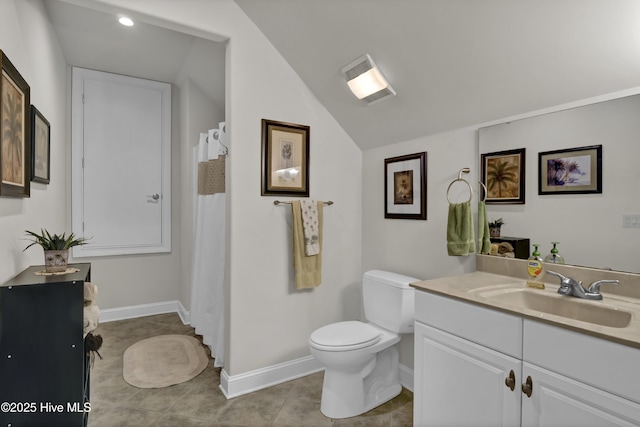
(285, 159)
(40, 147)
(15, 132)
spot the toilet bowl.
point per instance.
(361, 359)
(361, 367)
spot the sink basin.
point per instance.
(558, 305)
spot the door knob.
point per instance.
(527, 387)
(510, 381)
(154, 196)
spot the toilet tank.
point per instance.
(389, 300)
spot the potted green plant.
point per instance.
(56, 248)
(494, 227)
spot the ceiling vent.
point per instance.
(366, 81)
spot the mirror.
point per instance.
(598, 230)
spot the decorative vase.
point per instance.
(55, 261)
(494, 231)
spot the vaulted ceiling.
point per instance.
(453, 63)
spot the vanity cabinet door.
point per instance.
(559, 401)
(460, 383)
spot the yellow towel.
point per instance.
(308, 268)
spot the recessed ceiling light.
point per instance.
(126, 21)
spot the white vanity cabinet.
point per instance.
(560, 401)
(578, 379)
(460, 383)
(465, 354)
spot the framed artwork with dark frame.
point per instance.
(40, 147)
(503, 174)
(15, 132)
(405, 187)
(570, 171)
(285, 159)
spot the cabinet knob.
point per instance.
(510, 381)
(527, 387)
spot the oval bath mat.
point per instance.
(162, 361)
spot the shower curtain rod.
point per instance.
(278, 202)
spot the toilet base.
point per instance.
(348, 394)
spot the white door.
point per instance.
(459, 383)
(121, 144)
(561, 402)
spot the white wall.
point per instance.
(269, 321)
(414, 247)
(26, 37)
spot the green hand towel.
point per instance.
(484, 242)
(460, 233)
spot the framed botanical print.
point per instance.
(405, 187)
(285, 159)
(503, 174)
(570, 171)
(40, 147)
(15, 132)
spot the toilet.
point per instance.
(361, 359)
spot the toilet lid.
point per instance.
(343, 336)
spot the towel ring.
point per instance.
(484, 187)
(460, 178)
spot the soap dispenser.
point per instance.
(554, 257)
(535, 269)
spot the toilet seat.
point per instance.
(345, 336)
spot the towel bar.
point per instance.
(278, 202)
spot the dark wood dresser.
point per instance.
(44, 370)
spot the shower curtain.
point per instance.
(208, 268)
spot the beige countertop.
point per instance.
(477, 288)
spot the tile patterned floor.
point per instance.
(200, 402)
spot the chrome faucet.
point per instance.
(573, 287)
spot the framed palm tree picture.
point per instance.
(15, 132)
(503, 173)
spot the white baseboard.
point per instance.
(406, 377)
(237, 385)
(133, 311)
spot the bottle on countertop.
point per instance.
(535, 269)
(554, 257)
